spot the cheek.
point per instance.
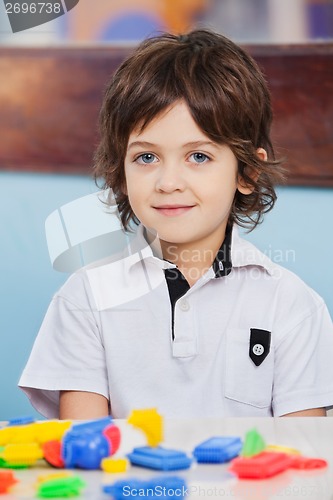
(135, 192)
(138, 183)
(129, 182)
(218, 190)
(132, 197)
(220, 202)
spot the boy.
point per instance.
(192, 319)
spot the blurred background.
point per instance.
(247, 21)
(297, 234)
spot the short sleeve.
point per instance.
(303, 376)
(68, 353)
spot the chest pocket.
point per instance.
(245, 382)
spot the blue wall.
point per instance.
(298, 234)
(27, 279)
(299, 231)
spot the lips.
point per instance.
(173, 210)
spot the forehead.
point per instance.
(174, 123)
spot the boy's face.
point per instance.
(179, 183)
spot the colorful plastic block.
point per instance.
(120, 490)
(20, 455)
(52, 454)
(85, 451)
(150, 422)
(18, 434)
(112, 433)
(261, 466)
(61, 487)
(54, 475)
(7, 480)
(282, 449)
(306, 463)
(85, 445)
(218, 450)
(5, 435)
(36, 432)
(21, 421)
(51, 430)
(253, 443)
(159, 458)
(160, 486)
(168, 486)
(114, 465)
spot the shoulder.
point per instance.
(296, 301)
(288, 295)
(115, 280)
(76, 290)
(83, 281)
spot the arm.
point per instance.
(303, 384)
(314, 412)
(82, 405)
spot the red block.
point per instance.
(261, 466)
(7, 479)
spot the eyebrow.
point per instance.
(193, 144)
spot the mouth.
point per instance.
(173, 210)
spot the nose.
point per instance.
(170, 177)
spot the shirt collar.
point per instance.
(222, 264)
(139, 249)
(235, 252)
(244, 253)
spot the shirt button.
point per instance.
(184, 305)
(258, 349)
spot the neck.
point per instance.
(194, 259)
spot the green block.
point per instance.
(61, 487)
(253, 444)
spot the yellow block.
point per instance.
(54, 475)
(51, 430)
(150, 422)
(37, 432)
(282, 449)
(21, 454)
(109, 464)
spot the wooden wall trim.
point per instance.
(50, 99)
(301, 82)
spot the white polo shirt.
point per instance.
(255, 342)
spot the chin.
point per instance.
(174, 239)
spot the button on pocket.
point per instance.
(258, 349)
(245, 382)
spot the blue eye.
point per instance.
(199, 157)
(146, 158)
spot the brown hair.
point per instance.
(226, 94)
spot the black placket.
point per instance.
(178, 284)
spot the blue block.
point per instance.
(217, 450)
(159, 486)
(125, 488)
(97, 425)
(159, 458)
(21, 421)
(84, 445)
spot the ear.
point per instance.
(241, 184)
(262, 154)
